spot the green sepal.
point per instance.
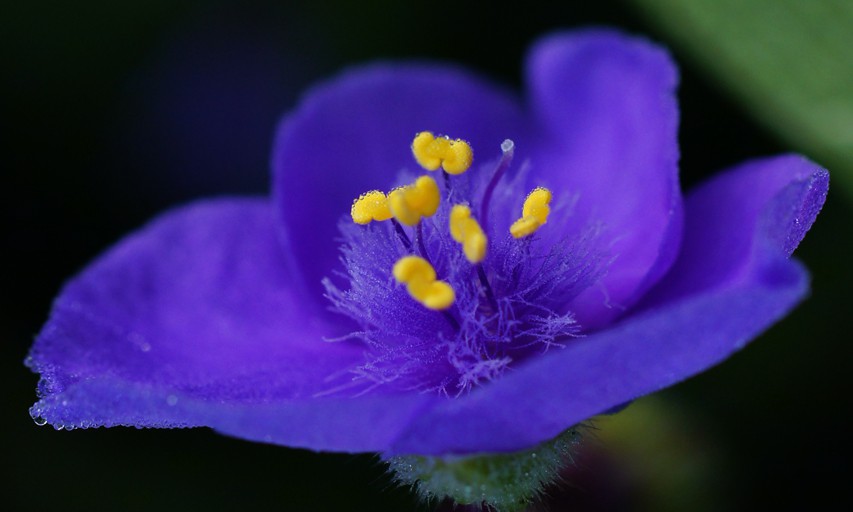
(507, 482)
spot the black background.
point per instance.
(114, 111)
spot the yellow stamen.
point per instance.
(370, 206)
(467, 231)
(454, 156)
(419, 277)
(533, 214)
(410, 203)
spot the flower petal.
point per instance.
(777, 197)
(355, 133)
(662, 345)
(606, 105)
(196, 306)
(741, 227)
(608, 368)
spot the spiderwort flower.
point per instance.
(487, 290)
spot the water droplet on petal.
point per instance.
(171, 400)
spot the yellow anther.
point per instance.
(467, 231)
(536, 204)
(370, 206)
(427, 151)
(454, 156)
(533, 214)
(458, 157)
(410, 203)
(419, 277)
(524, 226)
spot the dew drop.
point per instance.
(40, 421)
(171, 400)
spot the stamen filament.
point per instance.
(402, 234)
(490, 295)
(524, 243)
(419, 237)
(451, 320)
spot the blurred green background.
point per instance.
(113, 111)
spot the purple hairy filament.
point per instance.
(451, 286)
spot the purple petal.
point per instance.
(741, 227)
(640, 356)
(607, 107)
(248, 380)
(354, 134)
(777, 197)
(196, 306)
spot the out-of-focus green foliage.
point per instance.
(661, 447)
(790, 63)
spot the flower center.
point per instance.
(410, 204)
(449, 288)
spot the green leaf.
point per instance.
(789, 62)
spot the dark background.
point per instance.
(113, 111)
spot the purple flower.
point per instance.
(279, 319)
